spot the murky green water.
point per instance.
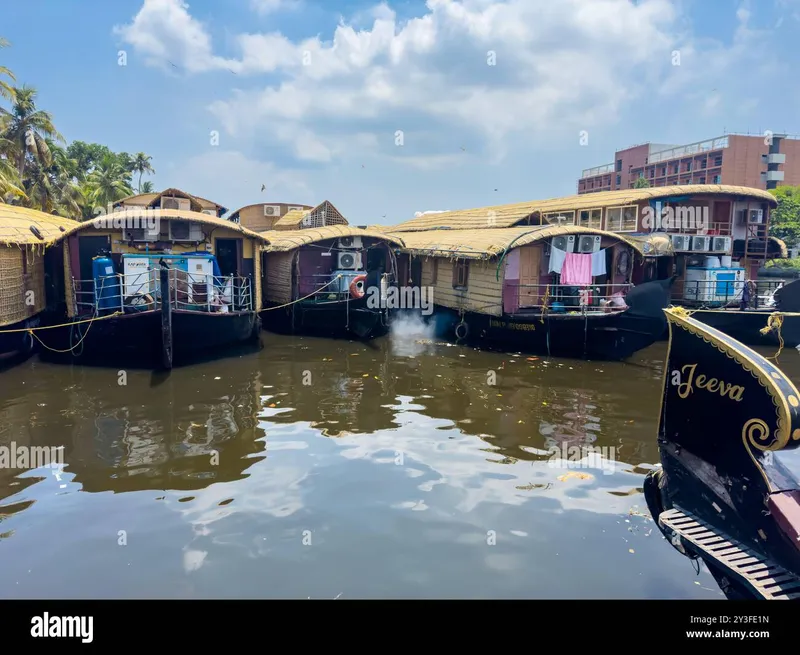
(334, 469)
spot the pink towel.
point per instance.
(577, 269)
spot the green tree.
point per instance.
(28, 129)
(6, 90)
(147, 187)
(641, 183)
(108, 182)
(142, 164)
(784, 220)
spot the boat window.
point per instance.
(790, 459)
(460, 274)
(560, 218)
(621, 219)
(591, 218)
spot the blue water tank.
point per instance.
(106, 283)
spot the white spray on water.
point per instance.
(411, 335)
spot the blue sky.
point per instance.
(393, 108)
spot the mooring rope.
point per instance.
(774, 323)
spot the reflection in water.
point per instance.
(316, 467)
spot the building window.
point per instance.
(652, 173)
(664, 170)
(591, 218)
(621, 219)
(702, 180)
(460, 274)
(688, 167)
(703, 163)
(718, 161)
(618, 179)
(619, 165)
(717, 179)
(676, 168)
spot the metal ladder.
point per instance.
(765, 577)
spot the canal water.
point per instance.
(402, 468)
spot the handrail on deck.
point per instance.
(136, 292)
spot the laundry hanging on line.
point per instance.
(577, 269)
(557, 256)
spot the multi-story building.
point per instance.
(759, 162)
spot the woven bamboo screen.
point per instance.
(22, 290)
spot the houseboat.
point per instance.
(559, 290)
(727, 491)
(27, 271)
(712, 239)
(328, 279)
(152, 286)
(171, 199)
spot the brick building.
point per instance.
(736, 160)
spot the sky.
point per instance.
(404, 106)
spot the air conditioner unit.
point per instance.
(720, 244)
(589, 243)
(701, 244)
(349, 261)
(681, 242)
(308, 220)
(350, 242)
(566, 242)
(140, 234)
(210, 212)
(272, 210)
(170, 203)
(756, 216)
(185, 231)
(296, 208)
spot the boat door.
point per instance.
(530, 259)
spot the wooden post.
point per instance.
(166, 320)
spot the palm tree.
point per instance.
(6, 90)
(28, 129)
(10, 185)
(108, 182)
(141, 164)
(147, 187)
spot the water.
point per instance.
(404, 468)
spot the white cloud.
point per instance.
(271, 6)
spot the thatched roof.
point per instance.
(780, 245)
(490, 242)
(291, 239)
(16, 223)
(514, 214)
(323, 214)
(148, 199)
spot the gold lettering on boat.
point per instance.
(493, 322)
(701, 381)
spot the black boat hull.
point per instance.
(17, 346)
(135, 339)
(745, 326)
(595, 336)
(336, 321)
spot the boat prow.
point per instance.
(723, 494)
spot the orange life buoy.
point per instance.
(358, 291)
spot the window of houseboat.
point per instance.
(621, 219)
(460, 274)
(560, 218)
(591, 218)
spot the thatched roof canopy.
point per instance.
(322, 215)
(530, 212)
(492, 242)
(16, 223)
(285, 241)
(151, 199)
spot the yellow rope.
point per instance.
(681, 311)
(50, 327)
(68, 349)
(544, 303)
(304, 297)
(774, 323)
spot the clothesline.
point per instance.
(577, 269)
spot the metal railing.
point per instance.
(746, 294)
(142, 292)
(556, 298)
(689, 149)
(598, 170)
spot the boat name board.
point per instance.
(712, 385)
(511, 326)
